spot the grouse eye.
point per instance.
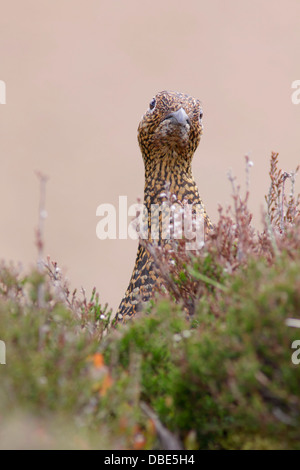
(152, 104)
(201, 115)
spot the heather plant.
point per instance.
(222, 374)
(56, 381)
(206, 365)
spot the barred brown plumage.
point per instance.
(168, 135)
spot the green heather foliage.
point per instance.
(208, 361)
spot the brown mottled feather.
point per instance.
(167, 148)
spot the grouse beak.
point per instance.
(179, 117)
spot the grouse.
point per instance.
(168, 135)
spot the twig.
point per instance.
(40, 232)
(168, 440)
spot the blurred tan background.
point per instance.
(79, 75)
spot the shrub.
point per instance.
(207, 365)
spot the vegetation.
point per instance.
(207, 365)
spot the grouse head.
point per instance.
(171, 126)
